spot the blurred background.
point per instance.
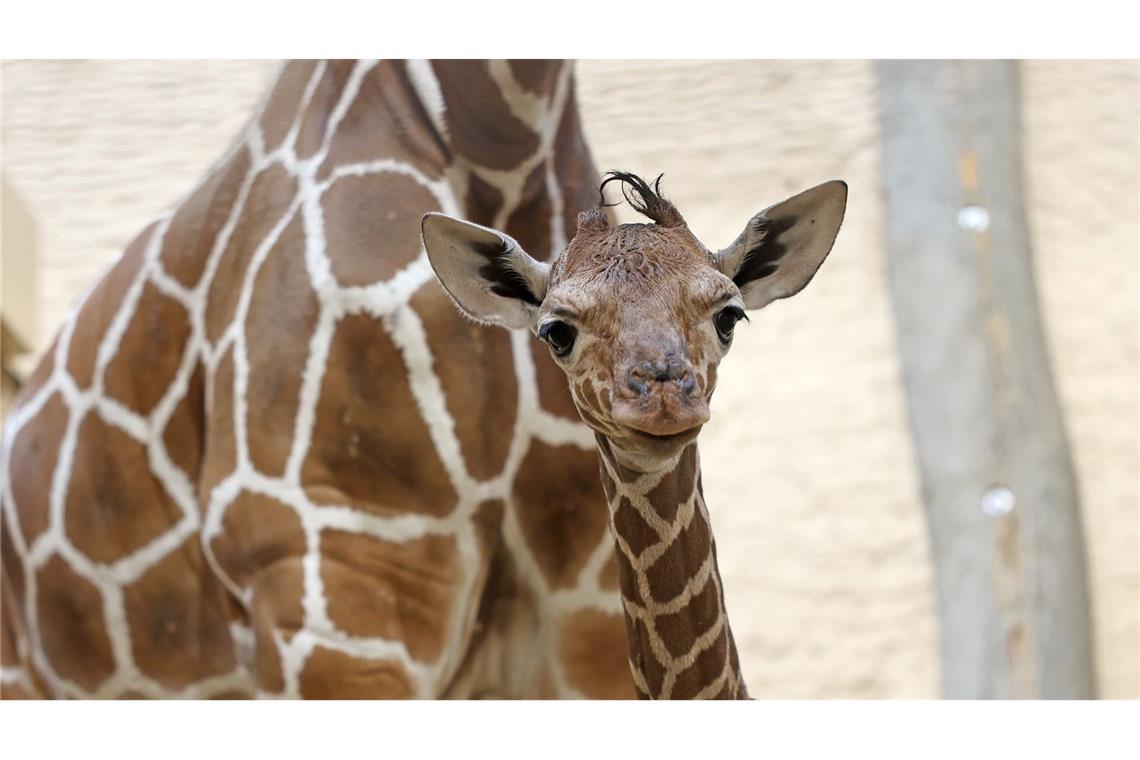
(810, 466)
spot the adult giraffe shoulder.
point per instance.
(265, 456)
(639, 317)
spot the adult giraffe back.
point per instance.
(265, 456)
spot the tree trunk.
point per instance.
(997, 479)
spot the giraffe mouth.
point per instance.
(663, 440)
(661, 418)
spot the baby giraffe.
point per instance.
(639, 316)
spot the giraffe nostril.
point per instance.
(641, 376)
(688, 382)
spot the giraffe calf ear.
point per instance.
(782, 247)
(486, 272)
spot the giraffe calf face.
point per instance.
(638, 315)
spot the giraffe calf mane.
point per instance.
(645, 199)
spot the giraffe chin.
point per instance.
(659, 435)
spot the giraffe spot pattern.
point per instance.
(115, 505)
(280, 111)
(401, 591)
(220, 455)
(588, 668)
(329, 674)
(493, 137)
(366, 243)
(557, 512)
(252, 192)
(370, 446)
(34, 455)
(270, 195)
(159, 332)
(481, 400)
(194, 227)
(100, 308)
(283, 316)
(72, 628)
(314, 122)
(177, 620)
(385, 123)
(184, 432)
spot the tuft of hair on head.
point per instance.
(645, 199)
(593, 220)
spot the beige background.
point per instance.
(808, 465)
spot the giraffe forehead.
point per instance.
(634, 252)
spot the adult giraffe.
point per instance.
(265, 456)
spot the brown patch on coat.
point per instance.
(632, 528)
(672, 570)
(372, 225)
(156, 337)
(329, 674)
(708, 665)
(102, 303)
(220, 454)
(529, 223)
(561, 509)
(484, 131)
(38, 377)
(370, 446)
(475, 368)
(115, 505)
(642, 658)
(574, 166)
(536, 75)
(483, 200)
(402, 591)
(12, 626)
(627, 579)
(258, 534)
(386, 121)
(284, 101)
(664, 497)
(326, 94)
(31, 464)
(282, 315)
(194, 228)
(184, 433)
(71, 624)
(681, 629)
(177, 620)
(593, 656)
(268, 200)
(261, 546)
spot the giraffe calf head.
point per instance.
(638, 315)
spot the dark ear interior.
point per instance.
(486, 272)
(784, 245)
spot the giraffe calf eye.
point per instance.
(559, 336)
(726, 320)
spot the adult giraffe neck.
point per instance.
(515, 146)
(680, 642)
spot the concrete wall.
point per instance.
(808, 465)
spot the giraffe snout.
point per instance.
(642, 377)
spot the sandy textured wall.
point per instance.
(807, 461)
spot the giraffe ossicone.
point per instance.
(639, 316)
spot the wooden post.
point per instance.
(997, 479)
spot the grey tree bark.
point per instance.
(997, 478)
